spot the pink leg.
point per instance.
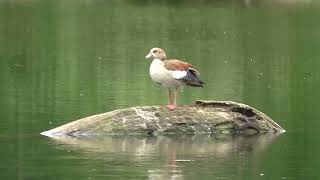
(171, 106)
(172, 102)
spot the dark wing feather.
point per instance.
(192, 79)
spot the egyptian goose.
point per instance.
(172, 74)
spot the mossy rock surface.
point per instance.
(212, 117)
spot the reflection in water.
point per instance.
(171, 154)
(222, 145)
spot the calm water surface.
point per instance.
(62, 60)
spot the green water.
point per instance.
(63, 60)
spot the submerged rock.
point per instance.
(202, 117)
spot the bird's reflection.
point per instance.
(173, 152)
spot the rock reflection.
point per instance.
(222, 145)
(169, 157)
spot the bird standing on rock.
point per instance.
(172, 74)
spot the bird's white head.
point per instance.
(157, 53)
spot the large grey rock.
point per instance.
(201, 117)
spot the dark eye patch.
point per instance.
(155, 51)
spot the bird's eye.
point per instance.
(155, 51)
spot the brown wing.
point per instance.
(191, 78)
(177, 65)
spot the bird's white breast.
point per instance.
(157, 71)
(160, 74)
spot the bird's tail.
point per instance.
(192, 79)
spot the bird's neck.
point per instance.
(157, 62)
